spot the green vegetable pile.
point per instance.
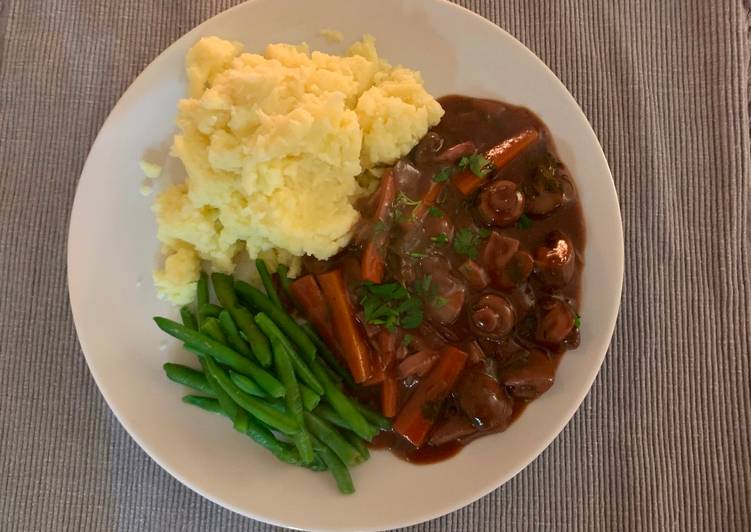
(272, 377)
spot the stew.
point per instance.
(459, 293)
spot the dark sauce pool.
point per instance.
(510, 302)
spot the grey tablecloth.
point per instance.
(662, 440)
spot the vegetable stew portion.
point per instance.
(460, 291)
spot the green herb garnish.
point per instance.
(467, 240)
(439, 301)
(524, 222)
(435, 212)
(440, 238)
(578, 322)
(443, 174)
(391, 305)
(407, 340)
(477, 164)
(417, 255)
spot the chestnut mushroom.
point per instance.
(492, 315)
(531, 378)
(483, 400)
(501, 203)
(556, 260)
(555, 322)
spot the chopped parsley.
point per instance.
(435, 212)
(407, 340)
(467, 240)
(476, 163)
(524, 222)
(578, 322)
(417, 255)
(443, 174)
(391, 305)
(439, 301)
(440, 238)
(422, 286)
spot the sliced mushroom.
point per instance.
(556, 260)
(427, 149)
(483, 400)
(492, 315)
(496, 255)
(531, 378)
(555, 322)
(501, 203)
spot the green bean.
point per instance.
(331, 361)
(337, 468)
(202, 294)
(206, 345)
(276, 336)
(209, 310)
(329, 414)
(268, 282)
(189, 377)
(187, 318)
(281, 271)
(211, 328)
(254, 429)
(209, 404)
(278, 316)
(293, 400)
(343, 406)
(310, 399)
(328, 435)
(373, 417)
(233, 335)
(225, 291)
(224, 288)
(358, 443)
(258, 408)
(247, 384)
(258, 342)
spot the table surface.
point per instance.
(661, 441)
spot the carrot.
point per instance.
(467, 182)
(499, 156)
(308, 296)
(354, 347)
(421, 210)
(386, 342)
(373, 263)
(417, 416)
(389, 395)
(429, 199)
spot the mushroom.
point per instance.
(556, 260)
(532, 378)
(555, 321)
(501, 203)
(492, 315)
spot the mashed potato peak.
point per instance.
(272, 145)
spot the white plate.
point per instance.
(112, 249)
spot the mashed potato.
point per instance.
(273, 145)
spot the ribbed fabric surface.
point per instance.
(660, 443)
